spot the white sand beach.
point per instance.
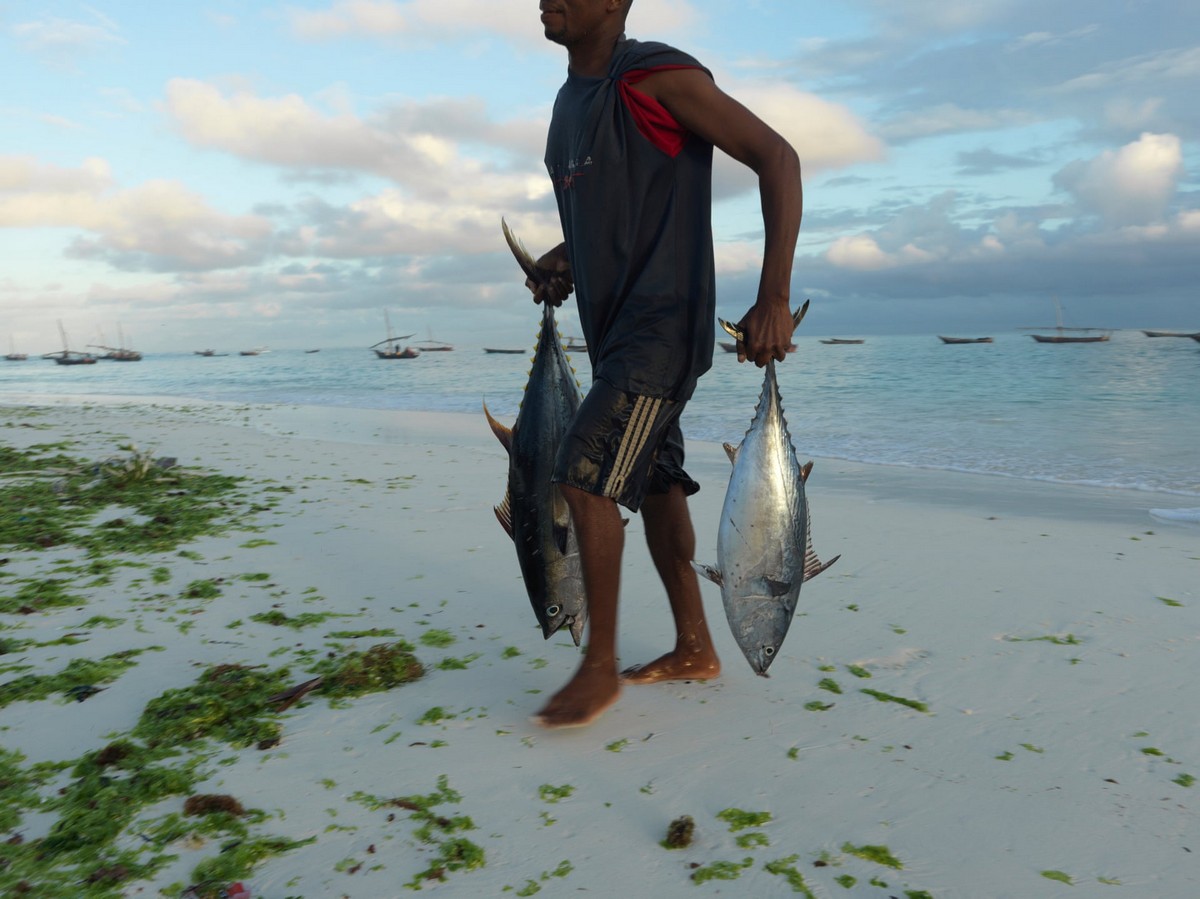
(1045, 638)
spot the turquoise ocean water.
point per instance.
(1122, 414)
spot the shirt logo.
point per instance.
(564, 176)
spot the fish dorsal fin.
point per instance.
(812, 565)
(708, 571)
(731, 451)
(504, 514)
(805, 471)
(503, 434)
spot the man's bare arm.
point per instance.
(702, 108)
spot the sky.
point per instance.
(236, 174)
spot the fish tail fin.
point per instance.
(708, 571)
(503, 434)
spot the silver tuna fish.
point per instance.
(764, 541)
(533, 511)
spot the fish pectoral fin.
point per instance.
(805, 471)
(561, 535)
(503, 434)
(713, 574)
(812, 565)
(504, 515)
(731, 451)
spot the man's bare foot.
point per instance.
(675, 665)
(585, 698)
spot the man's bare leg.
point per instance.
(595, 685)
(672, 543)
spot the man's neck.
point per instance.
(591, 60)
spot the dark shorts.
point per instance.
(623, 446)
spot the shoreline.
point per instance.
(883, 482)
(1046, 641)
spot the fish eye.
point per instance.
(768, 650)
(553, 610)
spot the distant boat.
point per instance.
(68, 356)
(964, 339)
(312, 351)
(12, 355)
(208, 353)
(842, 340)
(1060, 335)
(257, 351)
(120, 352)
(433, 346)
(574, 344)
(491, 349)
(1170, 334)
(391, 344)
(732, 347)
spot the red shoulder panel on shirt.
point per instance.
(652, 119)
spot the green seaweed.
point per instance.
(858, 671)
(438, 639)
(382, 667)
(1060, 876)
(1184, 780)
(721, 871)
(227, 703)
(740, 820)
(888, 697)
(880, 855)
(304, 619)
(828, 683)
(786, 868)
(39, 595)
(550, 793)
(78, 675)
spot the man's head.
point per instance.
(568, 22)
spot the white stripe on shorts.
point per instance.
(641, 422)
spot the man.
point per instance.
(630, 153)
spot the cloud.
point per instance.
(985, 161)
(62, 41)
(413, 144)
(950, 118)
(826, 135)
(1129, 186)
(425, 19)
(157, 226)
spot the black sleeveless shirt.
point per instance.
(634, 195)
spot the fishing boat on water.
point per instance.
(1170, 334)
(67, 356)
(955, 340)
(1102, 335)
(843, 341)
(119, 353)
(257, 351)
(430, 345)
(12, 355)
(492, 349)
(390, 347)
